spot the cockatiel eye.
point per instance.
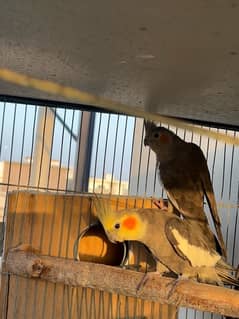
(117, 226)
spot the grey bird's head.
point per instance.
(161, 140)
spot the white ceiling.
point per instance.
(176, 57)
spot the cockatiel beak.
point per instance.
(110, 237)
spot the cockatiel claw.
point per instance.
(160, 203)
(142, 282)
(145, 278)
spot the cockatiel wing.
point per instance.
(209, 193)
(186, 181)
(190, 244)
(186, 208)
(183, 190)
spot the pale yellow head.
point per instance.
(120, 225)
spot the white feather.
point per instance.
(198, 256)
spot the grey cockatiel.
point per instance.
(184, 174)
(175, 243)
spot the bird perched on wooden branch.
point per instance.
(174, 242)
(184, 174)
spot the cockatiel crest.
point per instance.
(119, 227)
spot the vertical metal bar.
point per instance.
(32, 145)
(61, 151)
(131, 160)
(223, 168)
(105, 153)
(2, 126)
(96, 151)
(137, 149)
(231, 169)
(12, 144)
(140, 162)
(114, 152)
(10, 159)
(207, 150)
(1, 139)
(22, 148)
(51, 149)
(123, 152)
(147, 173)
(84, 148)
(69, 187)
(235, 229)
(40, 138)
(155, 179)
(41, 156)
(214, 159)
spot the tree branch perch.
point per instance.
(25, 262)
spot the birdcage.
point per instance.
(53, 160)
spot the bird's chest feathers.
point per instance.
(171, 174)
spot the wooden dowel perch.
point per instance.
(185, 293)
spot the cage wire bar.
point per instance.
(48, 149)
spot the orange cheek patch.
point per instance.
(164, 138)
(130, 222)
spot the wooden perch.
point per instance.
(187, 293)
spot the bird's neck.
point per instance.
(172, 152)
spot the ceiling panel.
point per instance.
(178, 58)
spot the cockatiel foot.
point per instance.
(142, 282)
(174, 284)
(134, 267)
(145, 278)
(161, 203)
